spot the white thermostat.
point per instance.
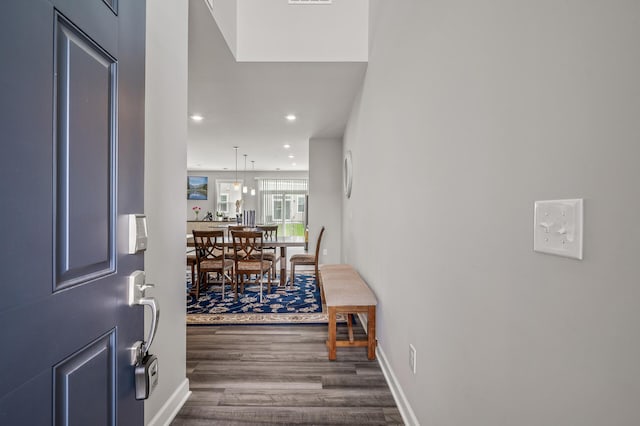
(557, 227)
(137, 233)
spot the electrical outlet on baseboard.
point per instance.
(324, 252)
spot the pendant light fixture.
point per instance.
(244, 177)
(236, 184)
(253, 169)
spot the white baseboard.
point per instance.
(408, 416)
(170, 409)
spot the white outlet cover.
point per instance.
(557, 227)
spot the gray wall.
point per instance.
(165, 200)
(325, 196)
(471, 111)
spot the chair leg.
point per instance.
(236, 290)
(195, 287)
(237, 278)
(193, 275)
(202, 278)
(293, 273)
(222, 284)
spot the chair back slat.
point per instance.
(209, 245)
(318, 246)
(247, 245)
(269, 233)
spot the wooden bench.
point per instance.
(346, 292)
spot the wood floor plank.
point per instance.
(276, 367)
(377, 397)
(362, 381)
(287, 415)
(204, 397)
(252, 381)
(268, 375)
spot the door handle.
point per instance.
(155, 317)
(137, 296)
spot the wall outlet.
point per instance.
(324, 252)
(412, 359)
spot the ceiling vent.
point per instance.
(307, 2)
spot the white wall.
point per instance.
(325, 197)
(165, 201)
(275, 31)
(470, 112)
(225, 12)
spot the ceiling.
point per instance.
(244, 104)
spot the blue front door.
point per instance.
(71, 168)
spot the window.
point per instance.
(227, 197)
(277, 207)
(223, 203)
(283, 202)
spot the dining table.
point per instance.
(281, 242)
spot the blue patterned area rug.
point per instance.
(297, 304)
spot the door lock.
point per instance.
(146, 364)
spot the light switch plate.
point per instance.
(557, 227)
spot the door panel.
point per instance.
(71, 169)
(85, 167)
(92, 367)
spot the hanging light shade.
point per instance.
(236, 184)
(244, 178)
(253, 169)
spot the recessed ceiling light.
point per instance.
(286, 146)
(291, 117)
(291, 156)
(197, 117)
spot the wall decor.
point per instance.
(197, 187)
(347, 174)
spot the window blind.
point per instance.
(282, 201)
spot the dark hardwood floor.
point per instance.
(280, 374)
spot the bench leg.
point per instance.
(350, 327)
(331, 343)
(371, 333)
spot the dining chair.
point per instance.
(306, 259)
(211, 258)
(270, 253)
(249, 259)
(230, 229)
